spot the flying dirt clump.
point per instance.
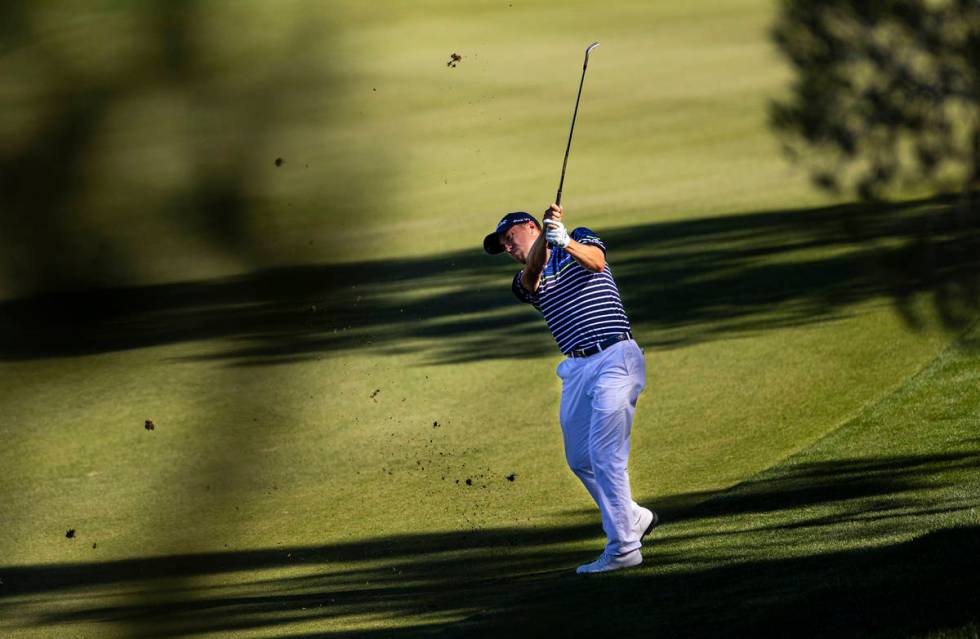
(70, 534)
(279, 161)
(454, 59)
(512, 477)
(149, 425)
(375, 393)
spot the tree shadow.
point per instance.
(812, 550)
(884, 100)
(133, 135)
(139, 135)
(682, 283)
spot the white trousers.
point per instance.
(598, 399)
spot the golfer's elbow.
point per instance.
(597, 265)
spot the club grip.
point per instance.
(550, 243)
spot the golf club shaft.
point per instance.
(568, 147)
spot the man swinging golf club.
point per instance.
(603, 374)
(566, 278)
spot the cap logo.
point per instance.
(507, 222)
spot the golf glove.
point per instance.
(556, 234)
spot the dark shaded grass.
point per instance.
(519, 580)
(682, 282)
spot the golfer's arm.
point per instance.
(590, 257)
(536, 259)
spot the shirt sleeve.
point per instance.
(521, 293)
(588, 237)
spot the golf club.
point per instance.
(564, 165)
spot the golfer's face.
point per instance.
(517, 241)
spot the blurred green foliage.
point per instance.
(886, 94)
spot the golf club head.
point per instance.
(588, 50)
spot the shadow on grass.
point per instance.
(81, 210)
(683, 282)
(814, 550)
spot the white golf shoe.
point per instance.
(607, 562)
(646, 522)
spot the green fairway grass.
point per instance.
(355, 424)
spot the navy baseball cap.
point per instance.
(491, 243)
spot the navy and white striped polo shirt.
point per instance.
(579, 306)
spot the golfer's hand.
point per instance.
(554, 212)
(556, 234)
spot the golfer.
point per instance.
(566, 278)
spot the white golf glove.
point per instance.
(556, 234)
